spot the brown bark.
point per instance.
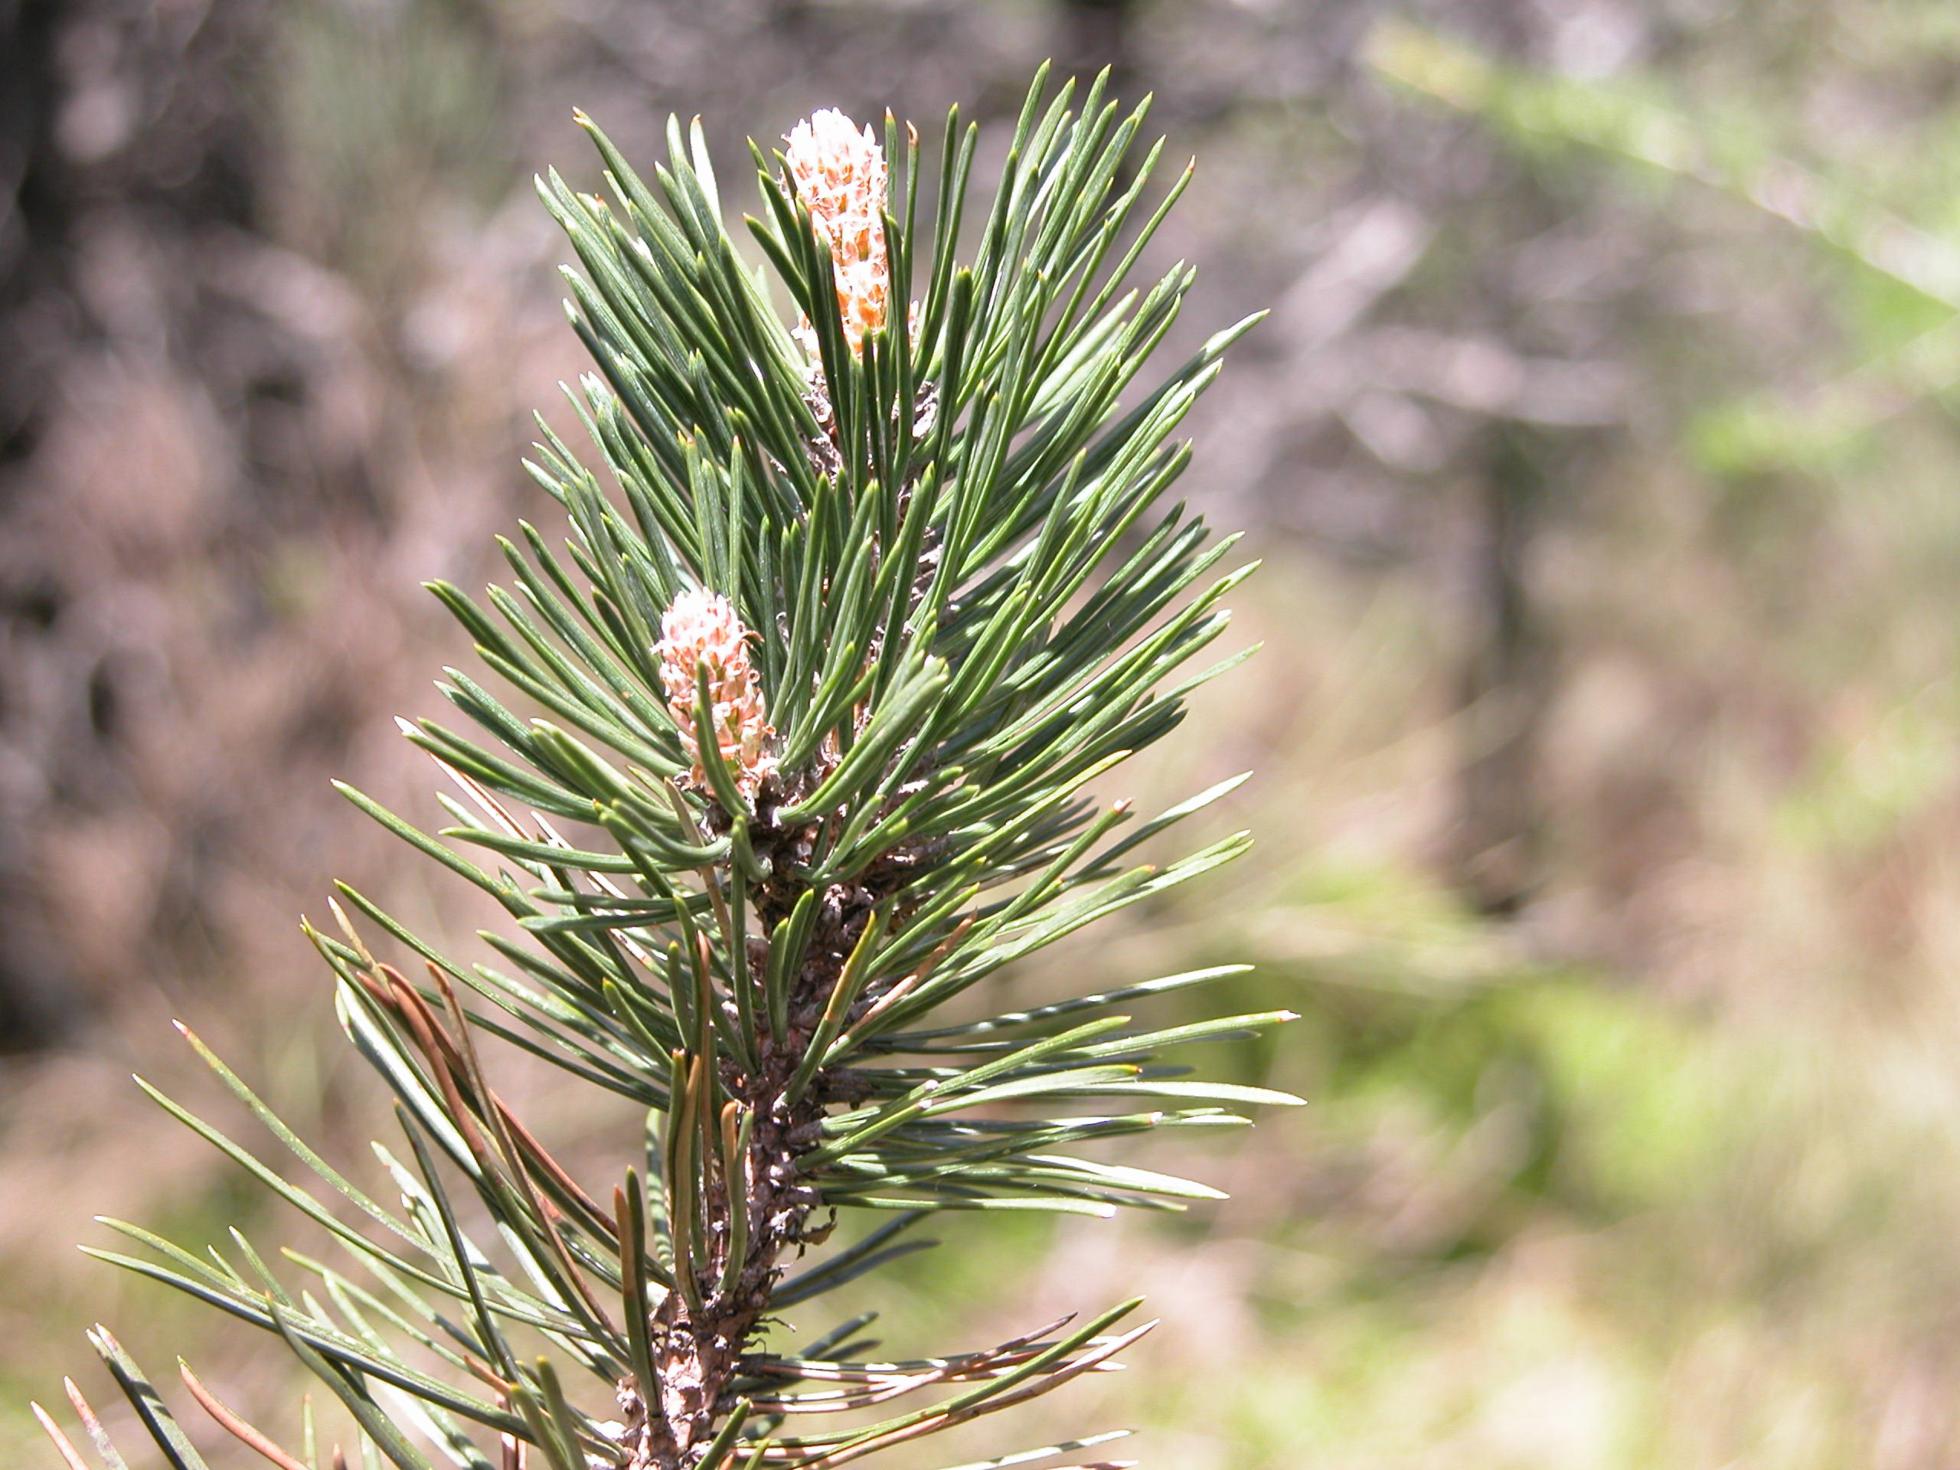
(696, 1355)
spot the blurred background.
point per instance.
(1601, 450)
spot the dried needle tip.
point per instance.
(840, 175)
(702, 631)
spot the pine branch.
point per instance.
(812, 708)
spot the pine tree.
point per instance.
(801, 728)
